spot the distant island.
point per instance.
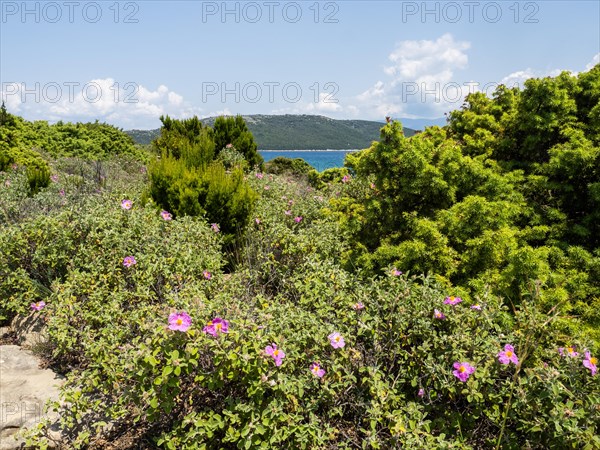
(298, 132)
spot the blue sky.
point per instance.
(128, 62)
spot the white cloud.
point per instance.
(433, 59)
(420, 81)
(127, 105)
(327, 104)
(595, 60)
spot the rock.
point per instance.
(30, 330)
(24, 390)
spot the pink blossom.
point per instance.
(463, 370)
(267, 187)
(336, 340)
(257, 220)
(317, 370)
(345, 179)
(288, 212)
(568, 351)
(129, 261)
(358, 306)
(166, 215)
(298, 219)
(38, 306)
(591, 363)
(396, 272)
(180, 321)
(207, 274)
(259, 175)
(477, 307)
(229, 146)
(126, 204)
(216, 326)
(215, 227)
(452, 300)
(438, 314)
(276, 353)
(62, 192)
(508, 355)
(421, 392)
(54, 178)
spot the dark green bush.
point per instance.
(234, 131)
(293, 166)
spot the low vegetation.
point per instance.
(440, 291)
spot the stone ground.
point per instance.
(24, 386)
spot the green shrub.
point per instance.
(38, 178)
(234, 131)
(293, 166)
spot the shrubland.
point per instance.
(441, 291)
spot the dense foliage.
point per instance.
(431, 295)
(33, 144)
(505, 196)
(187, 179)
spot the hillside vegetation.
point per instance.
(440, 291)
(297, 132)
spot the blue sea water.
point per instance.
(319, 159)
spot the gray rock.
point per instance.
(24, 390)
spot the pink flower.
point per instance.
(259, 175)
(463, 370)
(180, 321)
(126, 204)
(54, 178)
(508, 355)
(421, 392)
(38, 306)
(345, 179)
(477, 307)
(452, 300)
(267, 187)
(288, 212)
(438, 314)
(591, 363)
(372, 185)
(358, 306)
(216, 326)
(166, 215)
(298, 219)
(316, 370)
(568, 351)
(207, 274)
(257, 220)
(336, 340)
(277, 354)
(291, 202)
(62, 192)
(396, 272)
(229, 146)
(129, 261)
(215, 227)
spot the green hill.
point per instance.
(298, 132)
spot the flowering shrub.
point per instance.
(284, 345)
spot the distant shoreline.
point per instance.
(314, 150)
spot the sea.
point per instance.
(319, 159)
